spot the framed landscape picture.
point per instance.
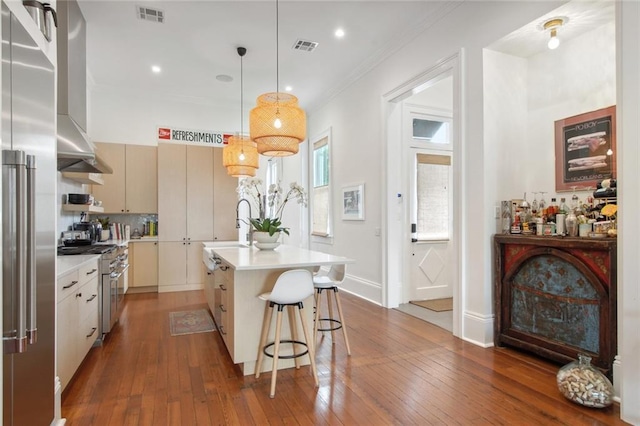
(353, 202)
(585, 149)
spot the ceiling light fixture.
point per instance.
(339, 33)
(156, 69)
(552, 26)
(277, 124)
(240, 155)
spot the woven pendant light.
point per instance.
(240, 155)
(277, 124)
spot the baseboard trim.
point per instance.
(478, 329)
(179, 287)
(365, 289)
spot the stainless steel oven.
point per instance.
(114, 269)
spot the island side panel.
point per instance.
(248, 313)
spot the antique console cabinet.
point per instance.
(556, 297)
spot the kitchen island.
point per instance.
(232, 288)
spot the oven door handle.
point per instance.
(115, 275)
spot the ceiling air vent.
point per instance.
(148, 14)
(305, 46)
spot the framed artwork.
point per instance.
(585, 149)
(353, 202)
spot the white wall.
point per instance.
(553, 85)
(133, 118)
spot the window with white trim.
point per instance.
(321, 188)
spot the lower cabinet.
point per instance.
(224, 280)
(180, 266)
(77, 318)
(143, 269)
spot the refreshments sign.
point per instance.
(192, 137)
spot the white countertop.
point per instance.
(251, 258)
(143, 240)
(120, 243)
(69, 263)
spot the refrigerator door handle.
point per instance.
(32, 297)
(14, 262)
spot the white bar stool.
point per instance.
(291, 288)
(330, 282)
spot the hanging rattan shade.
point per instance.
(271, 141)
(231, 157)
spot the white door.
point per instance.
(431, 200)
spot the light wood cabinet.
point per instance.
(143, 261)
(185, 212)
(225, 199)
(77, 318)
(133, 186)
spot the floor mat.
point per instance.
(189, 322)
(437, 305)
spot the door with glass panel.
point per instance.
(431, 215)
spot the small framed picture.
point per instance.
(353, 202)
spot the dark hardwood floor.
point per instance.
(402, 371)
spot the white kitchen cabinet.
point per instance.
(143, 266)
(77, 317)
(132, 188)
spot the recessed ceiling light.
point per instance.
(156, 69)
(339, 33)
(224, 78)
(288, 88)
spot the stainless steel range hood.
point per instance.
(76, 153)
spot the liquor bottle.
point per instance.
(552, 210)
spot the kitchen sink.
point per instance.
(207, 251)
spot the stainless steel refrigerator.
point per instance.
(28, 227)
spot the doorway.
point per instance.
(423, 227)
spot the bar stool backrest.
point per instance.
(336, 273)
(292, 287)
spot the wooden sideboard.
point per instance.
(556, 297)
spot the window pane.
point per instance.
(432, 185)
(321, 210)
(321, 188)
(321, 166)
(431, 131)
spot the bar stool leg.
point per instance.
(344, 324)
(266, 325)
(276, 352)
(294, 334)
(316, 321)
(330, 306)
(310, 344)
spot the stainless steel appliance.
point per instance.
(76, 152)
(28, 227)
(114, 267)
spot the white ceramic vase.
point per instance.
(264, 241)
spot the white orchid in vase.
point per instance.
(274, 200)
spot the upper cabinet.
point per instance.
(132, 188)
(185, 184)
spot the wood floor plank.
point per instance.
(402, 371)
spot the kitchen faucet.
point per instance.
(248, 222)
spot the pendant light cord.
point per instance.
(277, 50)
(241, 101)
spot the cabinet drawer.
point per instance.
(67, 285)
(88, 271)
(88, 298)
(90, 330)
(223, 273)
